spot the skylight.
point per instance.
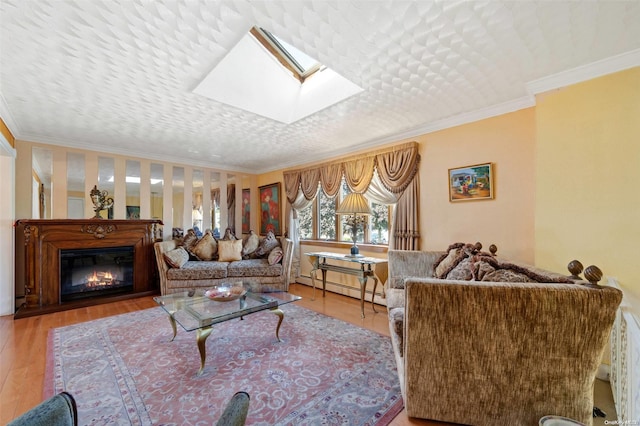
(296, 61)
(267, 76)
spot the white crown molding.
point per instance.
(5, 148)
(465, 118)
(582, 73)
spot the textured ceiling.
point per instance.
(117, 76)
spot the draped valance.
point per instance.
(395, 166)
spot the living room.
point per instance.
(563, 159)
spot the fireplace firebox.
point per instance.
(96, 271)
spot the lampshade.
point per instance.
(354, 203)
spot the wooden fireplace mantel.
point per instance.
(38, 245)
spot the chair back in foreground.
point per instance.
(235, 414)
(59, 410)
(487, 353)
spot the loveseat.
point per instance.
(483, 352)
(183, 272)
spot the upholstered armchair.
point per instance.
(485, 353)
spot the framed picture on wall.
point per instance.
(270, 219)
(471, 183)
(246, 210)
(133, 212)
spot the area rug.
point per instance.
(125, 370)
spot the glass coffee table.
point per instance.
(194, 310)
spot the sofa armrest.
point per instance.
(160, 248)
(410, 263)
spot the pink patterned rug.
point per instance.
(123, 370)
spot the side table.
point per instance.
(364, 268)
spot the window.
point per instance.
(301, 65)
(319, 221)
(327, 214)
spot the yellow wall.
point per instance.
(587, 167)
(507, 141)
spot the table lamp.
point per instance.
(353, 205)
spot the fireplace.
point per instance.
(93, 272)
(70, 263)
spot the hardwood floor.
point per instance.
(23, 344)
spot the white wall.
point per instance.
(7, 209)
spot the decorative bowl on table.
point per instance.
(226, 292)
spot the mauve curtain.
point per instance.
(404, 229)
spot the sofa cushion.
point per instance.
(177, 257)
(229, 235)
(229, 250)
(266, 245)
(250, 245)
(253, 268)
(395, 298)
(206, 248)
(199, 270)
(462, 271)
(488, 268)
(189, 241)
(396, 324)
(275, 256)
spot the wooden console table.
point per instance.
(363, 271)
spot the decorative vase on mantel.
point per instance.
(100, 200)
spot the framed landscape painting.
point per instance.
(471, 183)
(270, 209)
(246, 210)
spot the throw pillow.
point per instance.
(189, 241)
(275, 255)
(229, 250)
(269, 243)
(250, 245)
(206, 248)
(229, 235)
(462, 271)
(176, 258)
(455, 254)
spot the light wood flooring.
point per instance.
(23, 345)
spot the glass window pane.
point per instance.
(379, 223)
(305, 222)
(327, 217)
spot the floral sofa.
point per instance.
(495, 352)
(263, 263)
